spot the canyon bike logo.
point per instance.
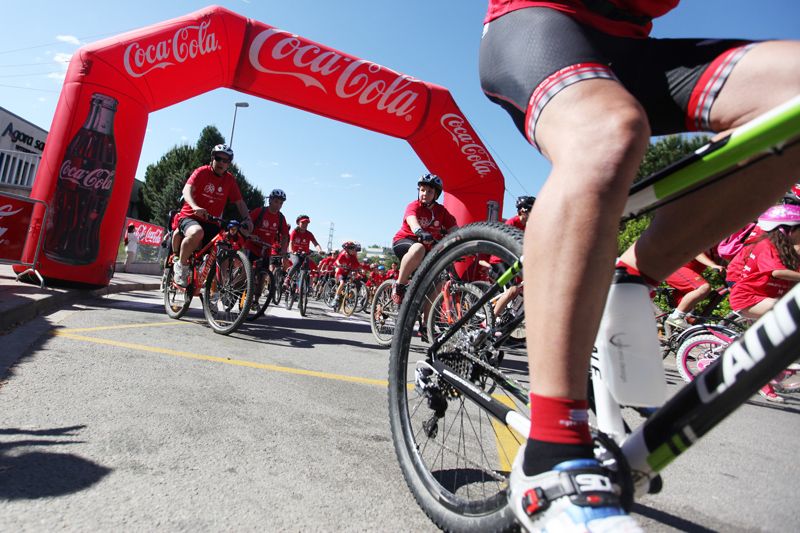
(476, 154)
(354, 78)
(99, 178)
(186, 43)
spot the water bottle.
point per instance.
(629, 353)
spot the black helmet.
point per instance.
(222, 149)
(525, 202)
(432, 180)
(278, 193)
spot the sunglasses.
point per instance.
(219, 159)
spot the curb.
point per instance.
(33, 308)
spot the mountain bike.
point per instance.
(299, 285)
(221, 272)
(458, 409)
(279, 274)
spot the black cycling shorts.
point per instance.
(210, 230)
(400, 247)
(527, 56)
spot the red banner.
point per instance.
(149, 235)
(15, 219)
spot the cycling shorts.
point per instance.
(400, 247)
(529, 55)
(685, 280)
(210, 230)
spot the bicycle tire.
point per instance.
(349, 300)
(695, 353)
(291, 293)
(457, 493)
(176, 299)
(263, 297)
(277, 294)
(303, 290)
(438, 317)
(363, 298)
(383, 314)
(233, 290)
(329, 292)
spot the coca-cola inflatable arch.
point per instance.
(111, 86)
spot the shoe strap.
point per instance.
(584, 486)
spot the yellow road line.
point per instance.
(105, 328)
(224, 360)
(508, 441)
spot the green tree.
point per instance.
(165, 179)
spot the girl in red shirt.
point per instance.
(346, 263)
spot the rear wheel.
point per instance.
(264, 287)
(228, 292)
(451, 304)
(291, 292)
(176, 299)
(383, 313)
(696, 353)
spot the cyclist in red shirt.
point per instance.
(392, 273)
(524, 205)
(207, 192)
(587, 87)
(270, 226)
(347, 264)
(424, 223)
(300, 240)
(692, 287)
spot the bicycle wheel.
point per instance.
(262, 296)
(176, 299)
(383, 313)
(277, 294)
(228, 292)
(329, 293)
(696, 353)
(349, 300)
(302, 294)
(363, 298)
(291, 292)
(456, 457)
(451, 304)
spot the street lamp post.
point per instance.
(236, 107)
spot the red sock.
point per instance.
(560, 420)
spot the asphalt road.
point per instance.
(116, 417)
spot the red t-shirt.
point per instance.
(432, 220)
(516, 222)
(346, 263)
(756, 282)
(301, 240)
(211, 192)
(734, 269)
(270, 230)
(626, 18)
(326, 265)
(392, 273)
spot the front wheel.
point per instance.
(302, 294)
(696, 353)
(455, 456)
(349, 300)
(383, 313)
(228, 292)
(176, 299)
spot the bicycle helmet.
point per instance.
(381, 268)
(348, 245)
(779, 215)
(278, 193)
(792, 196)
(234, 224)
(431, 180)
(358, 246)
(301, 218)
(525, 202)
(222, 149)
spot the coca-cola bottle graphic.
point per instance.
(84, 187)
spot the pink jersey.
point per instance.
(624, 18)
(211, 192)
(756, 282)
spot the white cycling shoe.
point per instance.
(576, 496)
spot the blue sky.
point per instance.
(357, 179)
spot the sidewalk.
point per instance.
(21, 302)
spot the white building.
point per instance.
(21, 145)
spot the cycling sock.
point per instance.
(559, 432)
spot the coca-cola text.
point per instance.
(476, 154)
(187, 42)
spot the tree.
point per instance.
(165, 179)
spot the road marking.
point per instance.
(224, 360)
(128, 326)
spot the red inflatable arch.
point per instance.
(111, 86)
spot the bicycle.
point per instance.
(351, 293)
(383, 313)
(279, 274)
(298, 286)
(263, 280)
(459, 410)
(221, 270)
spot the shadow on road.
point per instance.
(28, 475)
(663, 517)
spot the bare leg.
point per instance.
(595, 133)
(693, 298)
(410, 262)
(193, 238)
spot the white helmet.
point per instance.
(222, 149)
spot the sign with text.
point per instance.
(15, 219)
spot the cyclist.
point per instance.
(392, 273)
(346, 265)
(692, 287)
(524, 205)
(587, 87)
(770, 269)
(270, 226)
(424, 222)
(207, 191)
(300, 240)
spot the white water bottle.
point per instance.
(629, 353)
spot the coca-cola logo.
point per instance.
(355, 78)
(99, 178)
(476, 154)
(7, 210)
(187, 42)
(150, 235)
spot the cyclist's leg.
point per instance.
(766, 76)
